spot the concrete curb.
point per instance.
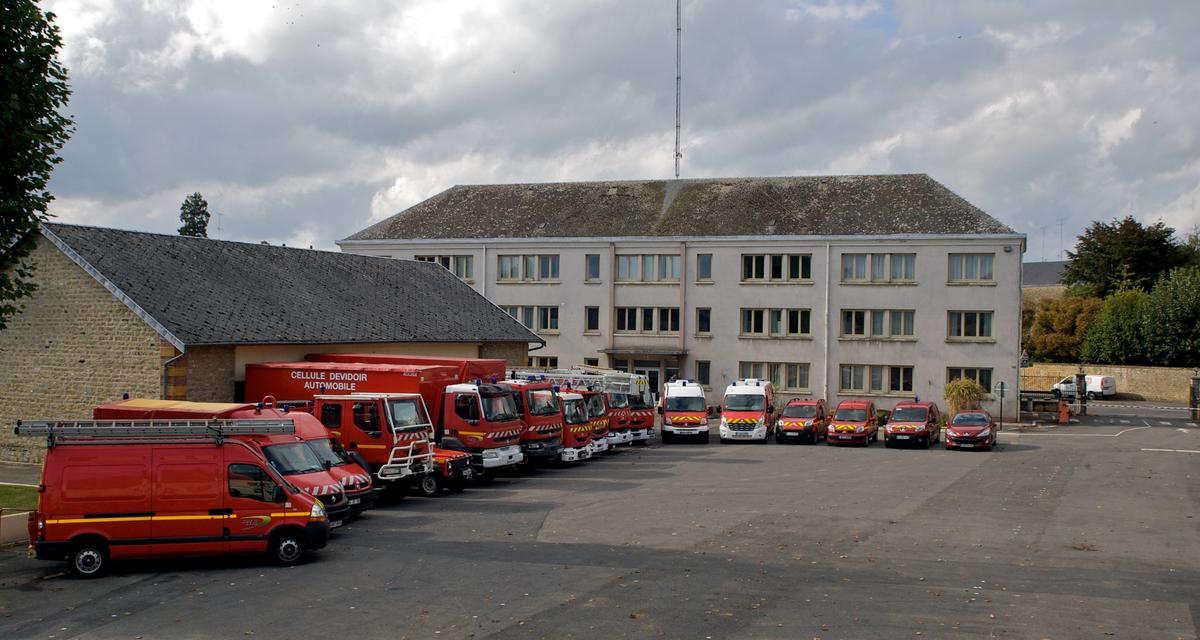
(13, 528)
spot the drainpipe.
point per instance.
(166, 367)
(612, 296)
(828, 281)
(683, 314)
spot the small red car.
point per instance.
(802, 421)
(913, 423)
(854, 422)
(972, 429)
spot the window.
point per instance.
(783, 323)
(704, 267)
(366, 418)
(982, 376)
(591, 319)
(250, 481)
(971, 267)
(535, 318)
(702, 372)
(648, 268)
(651, 320)
(591, 362)
(776, 267)
(466, 407)
(877, 323)
(876, 379)
(331, 415)
(547, 318)
(879, 267)
(461, 266)
(629, 268)
(668, 268)
(969, 325)
(536, 268)
(591, 267)
(785, 376)
(703, 321)
(543, 362)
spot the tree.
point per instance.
(1059, 326)
(1123, 250)
(193, 213)
(1171, 320)
(1115, 334)
(33, 88)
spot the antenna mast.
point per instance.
(678, 77)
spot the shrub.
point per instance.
(963, 394)
(1114, 336)
(1171, 319)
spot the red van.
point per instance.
(126, 489)
(802, 421)
(854, 422)
(913, 423)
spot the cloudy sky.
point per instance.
(302, 122)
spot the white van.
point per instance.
(1097, 387)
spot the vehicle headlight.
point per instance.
(667, 421)
(952, 433)
(491, 453)
(830, 428)
(779, 423)
(762, 422)
(724, 423)
(704, 422)
(859, 429)
(317, 512)
(985, 433)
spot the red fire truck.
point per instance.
(541, 418)
(606, 394)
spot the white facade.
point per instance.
(944, 322)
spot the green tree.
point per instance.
(193, 213)
(1171, 321)
(1123, 252)
(1059, 326)
(1115, 334)
(33, 88)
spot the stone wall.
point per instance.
(210, 374)
(74, 346)
(515, 353)
(1164, 384)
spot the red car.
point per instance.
(802, 420)
(972, 429)
(854, 422)
(913, 423)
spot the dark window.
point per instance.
(703, 320)
(331, 415)
(777, 267)
(591, 319)
(702, 367)
(250, 481)
(366, 417)
(592, 262)
(591, 362)
(466, 407)
(704, 266)
(648, 319)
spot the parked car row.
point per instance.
(748, 413)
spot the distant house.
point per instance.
(1040, 280)
(175, 317)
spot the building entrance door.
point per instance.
(653, 371)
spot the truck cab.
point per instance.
(484, 419)
(597, 411)
(641, 416)
(577, 428)
(541, 419)
(853, 422)
(619, 430)
(684, 410)
(802, 421)
(748, 410)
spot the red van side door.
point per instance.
(250, 496)
(188, 501)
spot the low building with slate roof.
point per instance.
(877, 286)
(159, 316)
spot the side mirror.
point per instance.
(659, 409)
(708, 411)
(717, 409)
(279, 495)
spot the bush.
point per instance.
(963, 394)
(1115, 334)
(1171, 319)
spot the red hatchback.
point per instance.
(913, 423)
(972, 429)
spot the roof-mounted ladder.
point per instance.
(59, 432)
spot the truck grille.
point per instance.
(751, 426)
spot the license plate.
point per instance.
(741, 435)
(336, 523)
(902, 437)
(354, 501)
(965, 445)
(845, 437)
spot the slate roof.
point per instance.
(213, 292)
(817, 205)
(1043, 274)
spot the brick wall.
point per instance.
(73, 347)
(210, 374)
(515, 353)
(1165, 384)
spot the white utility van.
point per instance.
(1097, 387)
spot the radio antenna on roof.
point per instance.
(678, 77)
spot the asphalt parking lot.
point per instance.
(1082, 531)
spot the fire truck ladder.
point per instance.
(606, 381)
(59, 432)
(411, 455)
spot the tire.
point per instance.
(484, 476)
(456, 486)
(1056, 393)
(704, 438)
(927, 442)
(1091, 395)
(667, 438)
(779, 440)
(89, 558)
(286, 548)
(888, 444)
(431, 485)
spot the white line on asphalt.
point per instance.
(1164, 422)
(1173, 450)
(18, 484)
(1124, 422)
(1092, 435)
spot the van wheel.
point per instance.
(1057, 393)
(666, 438)
(286, 548)
(431, 485)
(89, 558)
(1091, 395)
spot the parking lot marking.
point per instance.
(1164, 422)
(1124, 422)
(1095, 435)
(1173, 450)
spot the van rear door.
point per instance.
(189, 511)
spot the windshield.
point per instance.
(499, 408)
(327, 450)
(618, 401)
(851, 415)
(595, 406)
(740, 402)
(800, 411)
(971, 419)
(574, 412)
(407, 413)
(686, 403)
(909, 414)
(643, 401)
(292, 458)
(541, 402)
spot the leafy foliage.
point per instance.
(193, 213)
(33, 87)
(1115, 334)
(963, 394)
(1059, 327)
(1119, 254)
(1171, 319)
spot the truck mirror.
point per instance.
(716, 409)
(659, 409)
(279, 495)
(708, 411)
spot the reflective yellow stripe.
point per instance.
(478, 434)
(289, 513)
(204, 517)
(372, 446)
(141, 519)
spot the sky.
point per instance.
(303, 122)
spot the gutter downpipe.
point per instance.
(166, 368)
(828, 281)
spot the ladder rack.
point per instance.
(608, 381)
(148, 431)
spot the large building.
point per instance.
(157, 316)
(834, 287)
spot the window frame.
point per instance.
(766, 318)
(878, 268)
(778, 373)
(588, 326)
(760, 268)
(884, 318)
(877, 379)
(978, 371)
(704, 321)
(528, 268)
(587, 267)
(976, 261)
(703, 274)
(962, 325)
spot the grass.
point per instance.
(16, 497)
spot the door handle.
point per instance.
(220, 512)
